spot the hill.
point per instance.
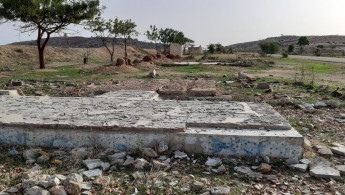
(333, 44)
(86, 42)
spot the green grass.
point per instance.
(192, 68)
(319, 67)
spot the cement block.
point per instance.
(9, 92)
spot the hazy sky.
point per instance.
(223, 21)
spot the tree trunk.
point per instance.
(41, 58)
(41, 47)
(112, 57)
(126, 48)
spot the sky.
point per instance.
(218, 21)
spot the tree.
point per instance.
(291, 48)
(169, 36)
(188, 43)
(105, 30)
(211, 48)
(127, 29)
(302, 41)
(219, 47)
(317, 52)
(153, 35)
(269, 47)
(47, 17)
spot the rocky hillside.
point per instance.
(86, 42)
(333, 44)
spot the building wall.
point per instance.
(176, 49)
(195, 50)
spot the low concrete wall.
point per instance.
(276, 144)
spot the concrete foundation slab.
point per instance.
(112, 121)
(9, 92)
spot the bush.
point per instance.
(285, 55)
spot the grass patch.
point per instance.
(319, 67)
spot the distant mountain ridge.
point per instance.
(332, 43)
(84, 42)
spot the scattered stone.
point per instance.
(73, 188)
(221, 169)
(320, 105)
(325, 151)
(292, 161)
(128, 162)
(36, 191)
(338, 150)
(54, 181)
(14, 152)
(299, 167)
(57, 190)
(73, 177)
(149, 152)
(79, 153)
(197, 186)
(153, 74)
(102, 181)
(105, 166)
(333, 104)
(93, 163)
(140, 163)
(271, 177)
(264, 168)
(43, 159)
(31, 154)
(242, 75)
(92, 173)
(341, 169)
(180, 155)
(305, 161)
(212, 162)
(221, 190)
(263, 86)
(243, 170)
(138, 175)
(319, 162)
(159, 166)
(162, 147)
(325, 172)
(120, 155)
(267, 159)
(12, 190)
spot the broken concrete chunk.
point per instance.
(92, 173)
(341, 169)
(338, 150)
(212, 162)
(149, 152)
(140, 163)
(180, 155)
(325, 172)
(36, 191)
(93, 163)
(299, 167)
(264, 168)
(120, 155)
(292, 161)
(221, 190)
(319, 162)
